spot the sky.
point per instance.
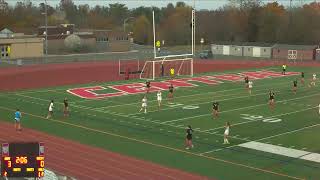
(200, 4)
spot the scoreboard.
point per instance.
(22, 159)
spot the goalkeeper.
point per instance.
(172, 72)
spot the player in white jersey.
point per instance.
(50, 112)
(144, 104)
(226, 133)
(159, 98)
(314, 78)
(250, 83)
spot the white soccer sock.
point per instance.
(145, 110)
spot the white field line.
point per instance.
(199, 94)
(146, 120)
(126, 116)
(250, 121)
(268, 137)
(220, 100)
(223, 82)
(247, 107)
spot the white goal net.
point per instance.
(161, 68)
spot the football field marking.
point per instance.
(268, 137)
(195, 104)
(158, 145)
(250, 121)
(236, 109)
(199, 94)
(279, 150)
(178, 105)
(140, 119)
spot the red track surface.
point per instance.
(50, 75)
(80, 161)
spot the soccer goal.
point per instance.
(161, 68)
(131, 65)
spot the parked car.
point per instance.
(206, 54)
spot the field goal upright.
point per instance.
(161, 65)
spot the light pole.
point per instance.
(124, 23)
(46, 28)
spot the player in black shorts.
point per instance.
(148, 85)
(189, 137)
(170, 95)
(215, 109)
(271, 99)
(284, 67)
(246, 81)
(302, 78)
(65, 107)
(295, 84)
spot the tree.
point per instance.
(142, 30)
(175, 29)
(118, 13)
(272, 21)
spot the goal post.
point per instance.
(161, 68)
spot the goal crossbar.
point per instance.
(179, 65)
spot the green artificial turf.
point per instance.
(115, 124)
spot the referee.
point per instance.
(284, 67)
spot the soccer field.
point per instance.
(264, 143)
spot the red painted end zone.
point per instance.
(137, 88)
(51, 75)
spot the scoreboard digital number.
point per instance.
(22, 159)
